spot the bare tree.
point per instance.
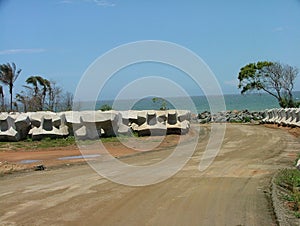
(67, 102)
(54, 96)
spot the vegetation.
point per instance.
(2, 98)
(67, 101)
(105, 107)
(273, 78)
(8, 76)
(39, 94)
(31, 145)
(162, 102)
(289, 179)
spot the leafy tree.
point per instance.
(162, 101)
(8, 76)
(105, 107)
(273, 78)
(32, 80)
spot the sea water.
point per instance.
(251, 102)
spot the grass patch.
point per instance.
(48, 142)
(30, 144)
(289, 179)
(110, 139)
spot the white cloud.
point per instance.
(66, 1)
(102, 3)
(278, 29)
(20, 51)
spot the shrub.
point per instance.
(105, 107)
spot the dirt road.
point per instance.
(232, 191)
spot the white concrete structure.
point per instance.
(93, 124)
(47, 124)
(283, 116)
(150, 124)
(13, 127)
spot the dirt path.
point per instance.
(232, 191)
(14, 158)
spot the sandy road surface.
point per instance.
(232, 191)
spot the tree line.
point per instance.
(38, 94)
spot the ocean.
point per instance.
(251, 102)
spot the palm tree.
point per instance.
(45, 83)
(33, 81)
(8, 75)
(46, 87)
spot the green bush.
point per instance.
(289, 177)
(105, 107)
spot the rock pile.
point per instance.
(230, 116)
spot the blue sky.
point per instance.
(59, 39)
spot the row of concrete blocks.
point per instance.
(92, 124)
(283, 116)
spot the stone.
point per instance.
(39, 167)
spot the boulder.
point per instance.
(230, 116)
